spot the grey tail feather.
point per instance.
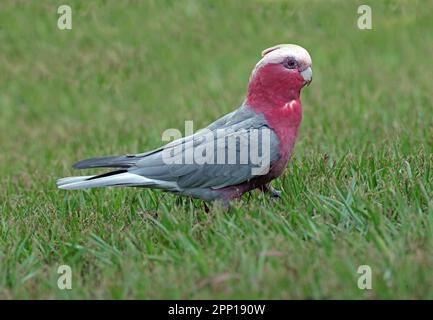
(107, 162)
(112, 179)
(107, 174)
(69, 180)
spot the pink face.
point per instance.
(280, 75)
(277, 78)
(290, 58)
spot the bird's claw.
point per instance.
(274, 193)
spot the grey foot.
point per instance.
(274, 193)
(223, 205)
(277, 194)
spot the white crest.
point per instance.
(278, 53)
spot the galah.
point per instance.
(272, 103)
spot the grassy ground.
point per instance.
(357, 192)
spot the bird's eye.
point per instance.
(290, 63)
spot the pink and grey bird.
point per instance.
(272, 102)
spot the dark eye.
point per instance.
(290, 63)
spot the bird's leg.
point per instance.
(268, 189)
(226, 205)
(223, 204)
(206, 208)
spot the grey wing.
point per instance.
(230, 157)
(127, 161)
(242, 160)
(237, 150)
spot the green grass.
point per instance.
(357, 191)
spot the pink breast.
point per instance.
(285, 122)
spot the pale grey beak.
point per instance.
(307, 74)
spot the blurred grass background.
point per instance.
(358, 190)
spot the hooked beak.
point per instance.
(307, 74)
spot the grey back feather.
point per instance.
(208, 175)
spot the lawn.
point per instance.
(358, 190)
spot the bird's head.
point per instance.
(280, 75)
